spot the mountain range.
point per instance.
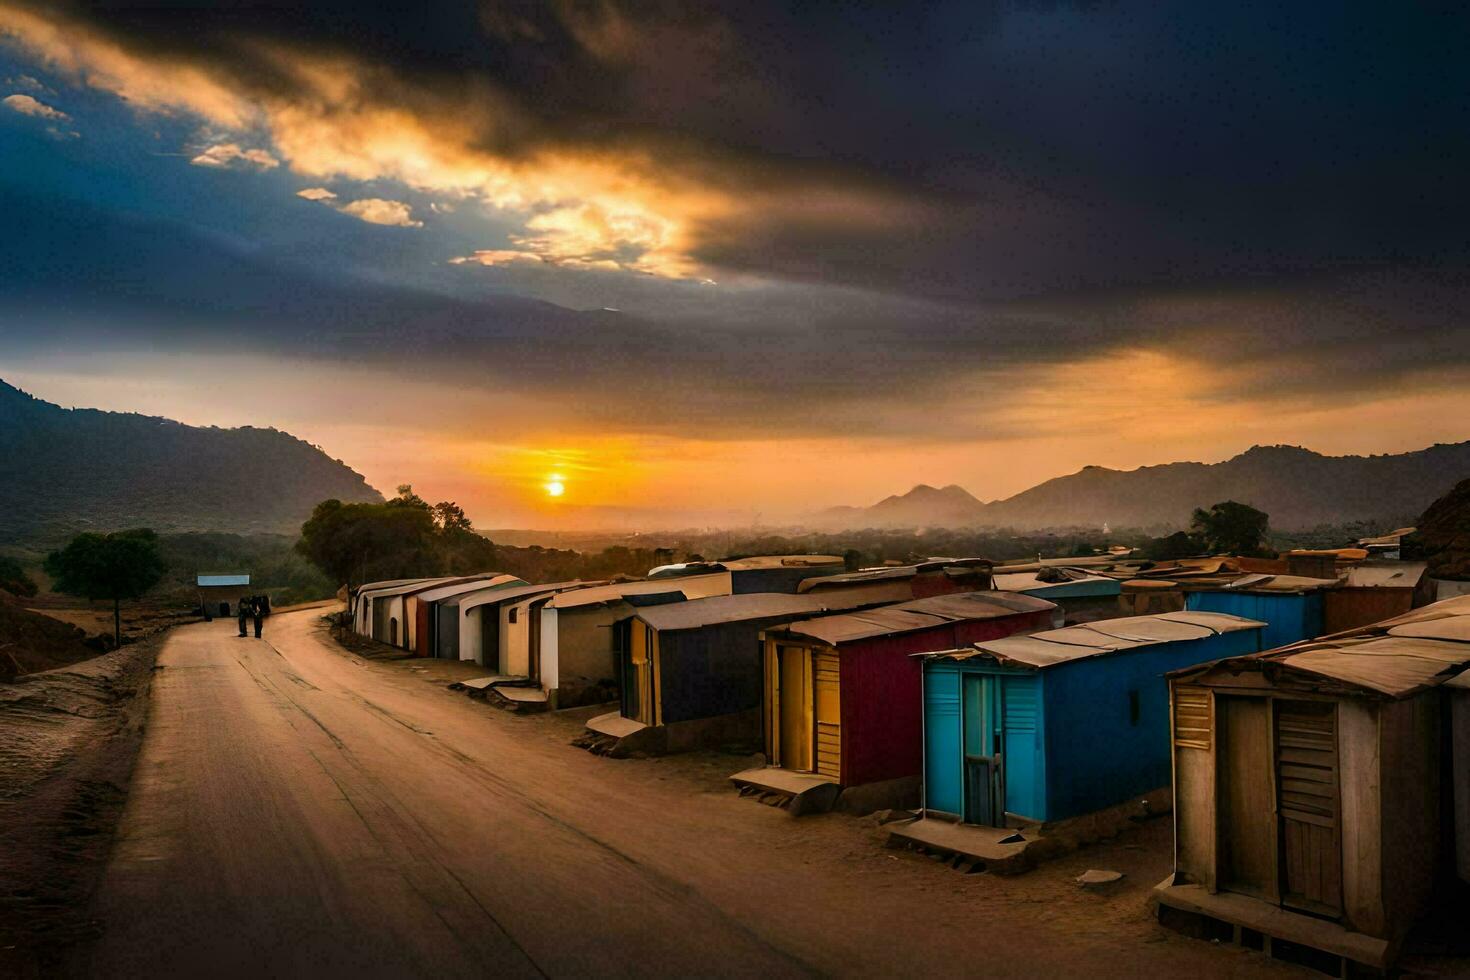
(66, 470)
(1298, 488)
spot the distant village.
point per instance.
(1303, 719)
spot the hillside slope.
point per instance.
(1297, 487)
(65, 470)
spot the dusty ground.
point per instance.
(140, 619)
(68, 739)
(299, 808)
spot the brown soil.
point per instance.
(30, 641)
(68, 740)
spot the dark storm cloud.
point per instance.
(789, 362)
(908, 202)
(956, 150)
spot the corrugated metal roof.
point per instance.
(1051, 647)
(1276, 584)
(917, 614)
(209, 581)
(1080, 585)
(613, 593)
(410, 586)
(1386, 575)
(853, 578)
(730, 609)
(752, 563)
(460, 588)
(956, 565)
(1397, 657)
(780, 561)
(388, 584)
(518, 592)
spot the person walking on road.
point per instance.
(257, 611)
(244, 607)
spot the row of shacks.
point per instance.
(1319, 786)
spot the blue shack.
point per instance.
(1039, 728)
(1289, 605)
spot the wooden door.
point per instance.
(1307, 794)
(639, 680)
(794, 706)
(1245, 824)
(827, 712)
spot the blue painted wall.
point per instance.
(1025, 743)
(944, 731)
(1097, 755)
(1289, 617)
(1080, 748)
(943, 749)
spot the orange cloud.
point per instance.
(29, 106)
(331, 116)
(224, 155)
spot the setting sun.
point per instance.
(555, 488)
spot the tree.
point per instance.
(1230, 528)
(449, 516)
(357, 543)
(1180, 544)
(117, 566)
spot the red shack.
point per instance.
(843, 703)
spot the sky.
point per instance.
(732, 263)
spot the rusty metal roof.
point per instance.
(1385, 575)
(1274, 584)
(916, 614)
(732, 609)
(1398, 657)
(957, 566)
(1051, 647)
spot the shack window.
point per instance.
(512, 616)
(1192, 717)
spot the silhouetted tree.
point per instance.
(1230, 528)
(117, 566)
(356, 543)
(1180, 544)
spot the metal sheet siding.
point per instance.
(711, 671)
(1025, 760)
(445, 629)
(1289, 617)
(785, 579)
(943, 732)
(882, 704)
(1097, 754)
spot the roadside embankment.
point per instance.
(68, 741)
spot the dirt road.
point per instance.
(297, 810)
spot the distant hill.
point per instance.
(1297, 487)
(65, 470)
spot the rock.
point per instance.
(1095, 878)
(1443, 537)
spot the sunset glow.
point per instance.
(436, 277)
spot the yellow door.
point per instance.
(794, 705)
(827, 699)
(638, 657)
